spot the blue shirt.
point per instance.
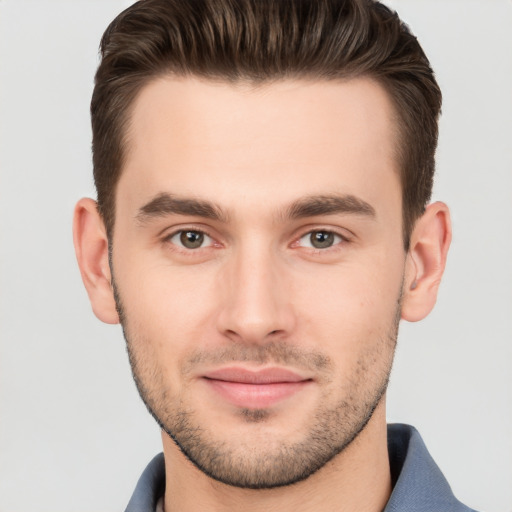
(418, 484)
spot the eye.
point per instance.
(320, 239)
(190, 239)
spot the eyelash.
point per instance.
(343, 240)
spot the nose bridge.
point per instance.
(256, 304)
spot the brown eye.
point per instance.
(190, 239)
(320, 239)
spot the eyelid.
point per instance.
(183, 226)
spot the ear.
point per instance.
(91, 248)
(426, 261)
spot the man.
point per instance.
(263, 172)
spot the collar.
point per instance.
(418, 484)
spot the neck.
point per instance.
(358, 480)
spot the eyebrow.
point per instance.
(329, 205)
(166, 204)
(311, 206)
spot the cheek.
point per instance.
(165, 321)
(350, 307)
(170, 307)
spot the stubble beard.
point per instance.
(268, 465)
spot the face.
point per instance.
(258, 263)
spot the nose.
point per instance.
(256, 301)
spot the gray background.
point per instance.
(74, 435)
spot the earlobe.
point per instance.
(91, 248)
(426, 261)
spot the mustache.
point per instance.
(281, 353)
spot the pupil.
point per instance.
(322, 239)
(191, 239)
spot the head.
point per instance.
(263, 170)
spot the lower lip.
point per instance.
(256, 396)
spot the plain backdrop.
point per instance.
(74, 435)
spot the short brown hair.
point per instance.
(258, 41)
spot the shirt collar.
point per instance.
(418, 484)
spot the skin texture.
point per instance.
(248, 172)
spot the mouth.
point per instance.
(259, 389)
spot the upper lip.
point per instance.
(248, 376)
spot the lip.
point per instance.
(258, 389)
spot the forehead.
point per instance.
(283, 139)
